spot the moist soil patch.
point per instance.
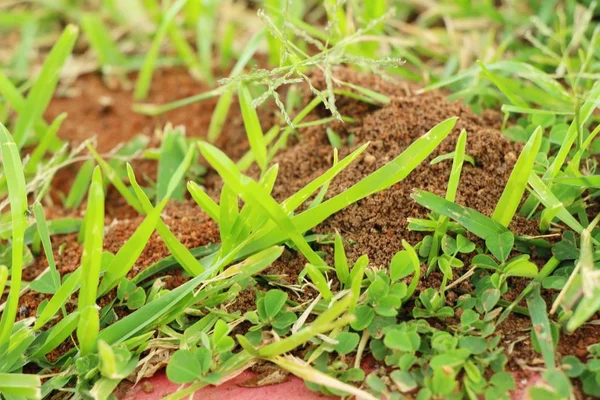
(374, 226)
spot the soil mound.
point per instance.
(376, 225)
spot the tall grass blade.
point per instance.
(145, 77)
(42, 90)
(252, 125)
(42, 226)
(91, 259)
(17, 194)
(80, 185)
(517, 182)
(100, 40)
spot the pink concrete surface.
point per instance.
(293, 389)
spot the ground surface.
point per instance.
(374, 226)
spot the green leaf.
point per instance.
(52, 277)
(521, 267)
(208, 205)
(490, 298)
(402, 340)
(515, 187)
(252, 125)
(476, 345)
(100, 40)
(184, 367)
(340, 260)
(551, 202)
(364, 316)
(347, 342)
(500, 245)
(136, 299)
(17, 195)
(182, 255)
(401, 265)
(21, 385)
(471, 220)
(319, 281)
(172, 154)
(541, 325)
(464, 245)
(274, 301)
(80, 185)
(87, 329)
(57, 334)
(42, 90)
(403, 380)
(145, 76)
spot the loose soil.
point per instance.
(374, 226)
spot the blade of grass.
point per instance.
(457, 164)
(246, 161)
(13, 170)
(318, 279)
(44, 233)
(590, 302)
(508, 92)
(43, 89)
(221, 111)
(254, 194)
(80, 185)
(589, 181)
(144, 318)
(21, 385)
(88, 326)
(541, 325)
(386, 176)
(310, 374)
(113, 177)
(471, 220)
(57, 334)
(154, 109)
(145, 77)
(100, 40)
(49, 137)
(549, 200)
(183, 256)
(252, 125)
(131, 250)
(208, 205)
(517, 182)
(172, 152)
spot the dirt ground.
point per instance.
(374, 226)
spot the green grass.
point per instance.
(537, 63)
